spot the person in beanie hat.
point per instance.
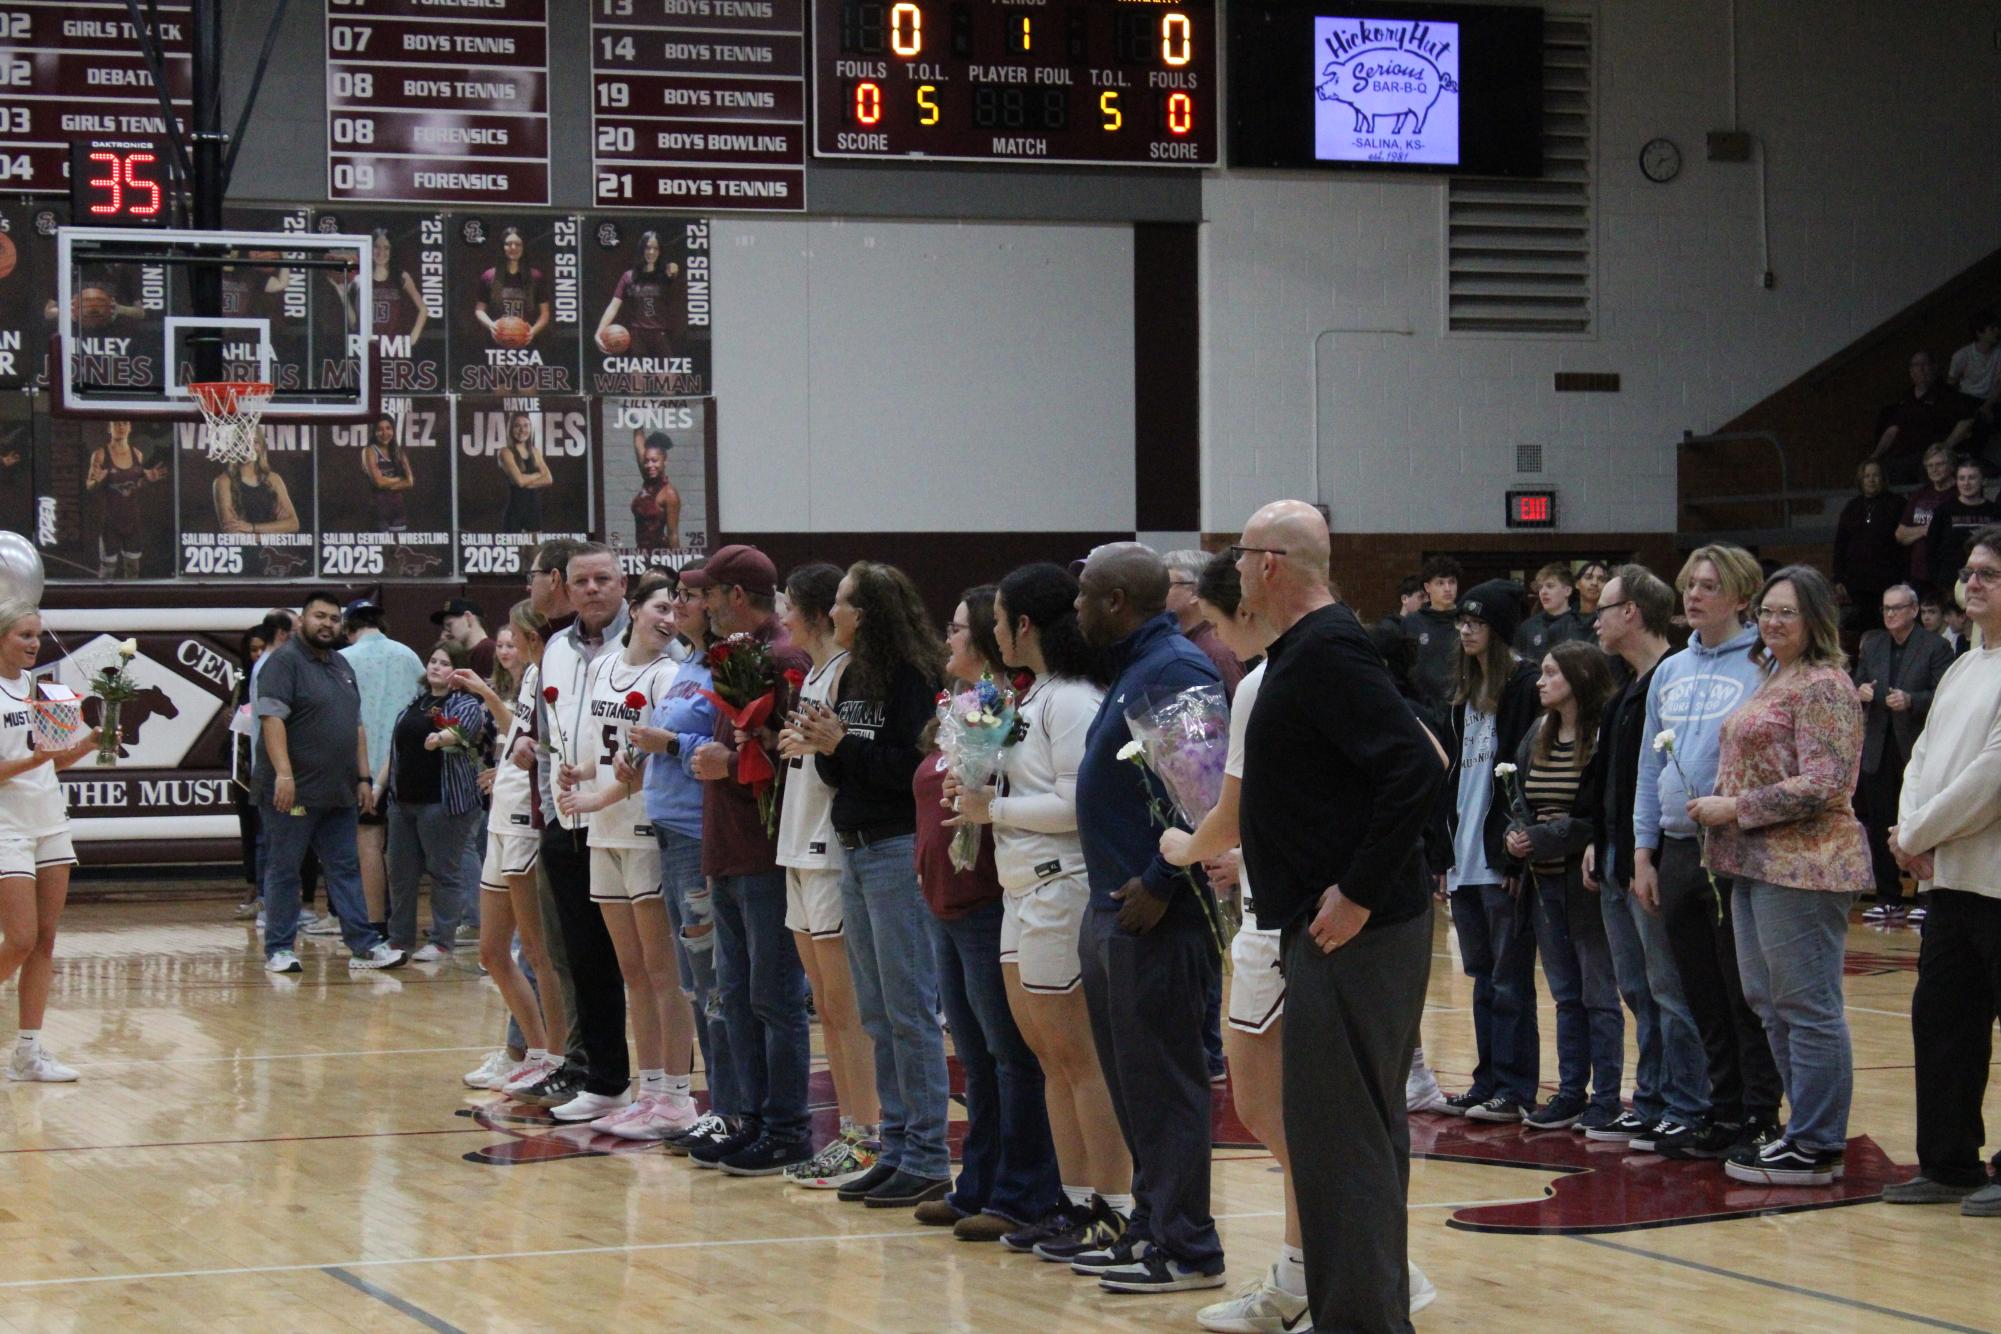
(1493, 707)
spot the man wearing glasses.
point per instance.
(1899, 667)
(1949, 832)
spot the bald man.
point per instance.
(1148, 954)
(1338, 780)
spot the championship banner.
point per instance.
(514, 301)
(407, 321)
(27, 292)
(659, 470)
(104, 499)
(385, 494)
(524, 474)
(646, 286)
(173, 757)
(247, 520)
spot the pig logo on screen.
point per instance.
(1387, 91)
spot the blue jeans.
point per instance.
(327, 832)
(1684, 1063)
(1629, 966)
(1577, 964)
(1497, 949)
(763, 1002)
(1007, 1164)
(1790, 945)
(423, 836)
(885, 924)
(686, 891)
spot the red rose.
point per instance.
(439, 718)
(794, 677)
(635, 699)
(719, 655)
(1023, 679)
(944, 697)
(549, 694)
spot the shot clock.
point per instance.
(1131, 82)
(120, 183)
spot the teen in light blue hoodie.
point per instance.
(1693, 692)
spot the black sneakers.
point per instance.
(907, 1190)
(857, 1190)
(1712, 1141)
(713, 1148)
(1063, 1218)
(1154, 1272)
(554, 1089)
(1498, 1108)
(1784, 1163)
(1097, 1231)
(712, 1126)
(1461, 1103)
(765, 1156)
(1628, 1127)
(1559, 1113)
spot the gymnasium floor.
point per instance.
(259, 1153)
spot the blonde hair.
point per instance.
(1736, 569)
(15, 610)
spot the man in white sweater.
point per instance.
(1949, 832)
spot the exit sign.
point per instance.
(1532, 509)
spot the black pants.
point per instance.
(1879, 793)
(598, 1023)
(1743, 1079)
(1147, 994)
(1351, 1023)
(1952, 1026)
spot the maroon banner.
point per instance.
(488, 43)
(693, 141)
(515, 11)
(695, 97)
(62, 26)
(515, 91)
(434, 135)
(439, 180)
(515, 304)
(710, 15)
(67, 74)
(621, 49)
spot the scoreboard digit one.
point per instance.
(1131, 82)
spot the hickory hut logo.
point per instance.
(1386, 90)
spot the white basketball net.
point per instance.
(232, 409)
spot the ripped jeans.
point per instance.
(691, 911)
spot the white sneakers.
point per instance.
(281, 961)
(34, 1065)
(527, 1074)
(1423, 1292)
(590, 1106)
(430, 954)
(1420, 1090)
(382, 956)
(327, 925)
(649, 1117)
(491, 1072)
(1266, 1308)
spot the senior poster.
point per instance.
(406, 315)
(265, 288)
(646, 293)
(104, 498)
(27, 292)
(524, 474)
(252, 519)
(514, 304)
(385, 494)
(658, 462)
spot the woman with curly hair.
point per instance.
(866, 750)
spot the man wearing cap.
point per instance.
(387, 673)
(462, 626)
(758, 972)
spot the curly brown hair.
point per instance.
(894, 628)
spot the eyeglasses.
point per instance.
(1783, 615)
(1181, 583)
(1980, 574)
(1237, 553)
(1900, 606)
(1604, 607)
(537, 573)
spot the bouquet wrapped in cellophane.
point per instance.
(1183, 737)
(973, 728)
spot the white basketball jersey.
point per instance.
(622, 695)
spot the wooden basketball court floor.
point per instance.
(259, 1153)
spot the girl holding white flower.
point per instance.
(1493, 707)
(35, 852)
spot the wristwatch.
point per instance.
(673, 743)
(366, 779)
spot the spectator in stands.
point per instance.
(1592, 577)
(1958, 627)
(1956, 520)
(1900, 666)
(1975, 372)
(1554, 622)
(1433, 631)
(1782, 825)
(1949, 832)
(1184, 572)
(1867, 559)
(1929, 414)
(1915, 526)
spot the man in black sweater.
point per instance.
(1338, 782)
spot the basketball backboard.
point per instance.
(142, 314)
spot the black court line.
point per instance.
(391, 1300)
(1852, 1303)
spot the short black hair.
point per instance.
(661, 441)
(1443, 567)
(327, 595)
(1410, 585)
(1981, 320)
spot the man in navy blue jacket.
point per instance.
(1147, 950)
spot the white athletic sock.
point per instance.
(652, 1082)
(29, 1039)
(680, 1086)
(1078, 1195)
(1292, 1271)
(1122, 1205)
(538, 1053)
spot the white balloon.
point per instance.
(20, 569)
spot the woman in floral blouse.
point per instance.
(1783, 824)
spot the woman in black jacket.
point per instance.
(1867, 556)
(1493, 707)
(867, 751)
(1562, 791)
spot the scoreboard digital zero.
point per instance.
(1131, 82)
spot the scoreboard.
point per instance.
(1131, 82)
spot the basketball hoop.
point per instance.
(232, 409)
